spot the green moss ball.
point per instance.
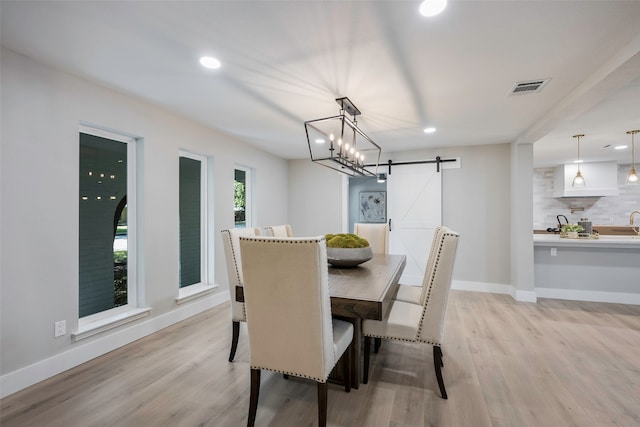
(345, 241)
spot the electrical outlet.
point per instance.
(60, 328)
(554, 251)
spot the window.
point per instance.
(242, 197)
(106, 224)
(193, 214)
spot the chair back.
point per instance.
(435, 244)
(279, 231)
(231, 246)
(376, 234)
(288, 305)
(434, 309)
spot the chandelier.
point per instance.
(336, 142)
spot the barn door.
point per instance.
(414, 206)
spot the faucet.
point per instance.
(566, 221)
(636, 229)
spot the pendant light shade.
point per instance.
(578, 180)
(632, 177)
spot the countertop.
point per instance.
(605, 241)
(604, 230)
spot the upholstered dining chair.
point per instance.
(420, 323)
(288, 306)
(417, 294)
(376, 234)
(234, 271)
(279, 231)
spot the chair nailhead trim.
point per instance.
(404, 339)
(235, 263)
(435, 269)
(295, 374)
(285, 240)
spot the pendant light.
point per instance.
(578, 180)
(632, 177)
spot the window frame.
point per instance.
(248, 194)
(204, 230)
(88, 322)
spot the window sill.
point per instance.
(193, 292)
(99, 326)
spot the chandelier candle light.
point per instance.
(632, 178)
(578, 180)
(337, 143)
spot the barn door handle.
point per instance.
(389, 224)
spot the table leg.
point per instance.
(357, 350)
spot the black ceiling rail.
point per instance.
(437, 160)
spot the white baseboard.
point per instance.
(494, 288)
(47, 368)
(532, 296)
(525, 296)
(593, 296)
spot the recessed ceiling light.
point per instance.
(620, 147)
(432, 7)
(210, 62)
(429, 130)
(320, 141)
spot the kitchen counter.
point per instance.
(605, 269)
(605, 241)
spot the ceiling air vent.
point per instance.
(531, 86)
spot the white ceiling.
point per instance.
(284, 62)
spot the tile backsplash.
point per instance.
(614, 210)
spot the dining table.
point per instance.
(362, 292)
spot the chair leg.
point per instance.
(367, 354)
(253, 400)
(438, 364)
(346, 368)
(234, 339)
(322, 404)
(377, 342)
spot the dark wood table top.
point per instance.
(366, 291)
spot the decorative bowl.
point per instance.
(348, 257)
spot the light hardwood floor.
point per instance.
(554, 363)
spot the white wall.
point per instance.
(476, 203)
(521, 257)
(41, 112)
(315, 199)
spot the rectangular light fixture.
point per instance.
(336, 142)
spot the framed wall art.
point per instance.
(373, 206)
